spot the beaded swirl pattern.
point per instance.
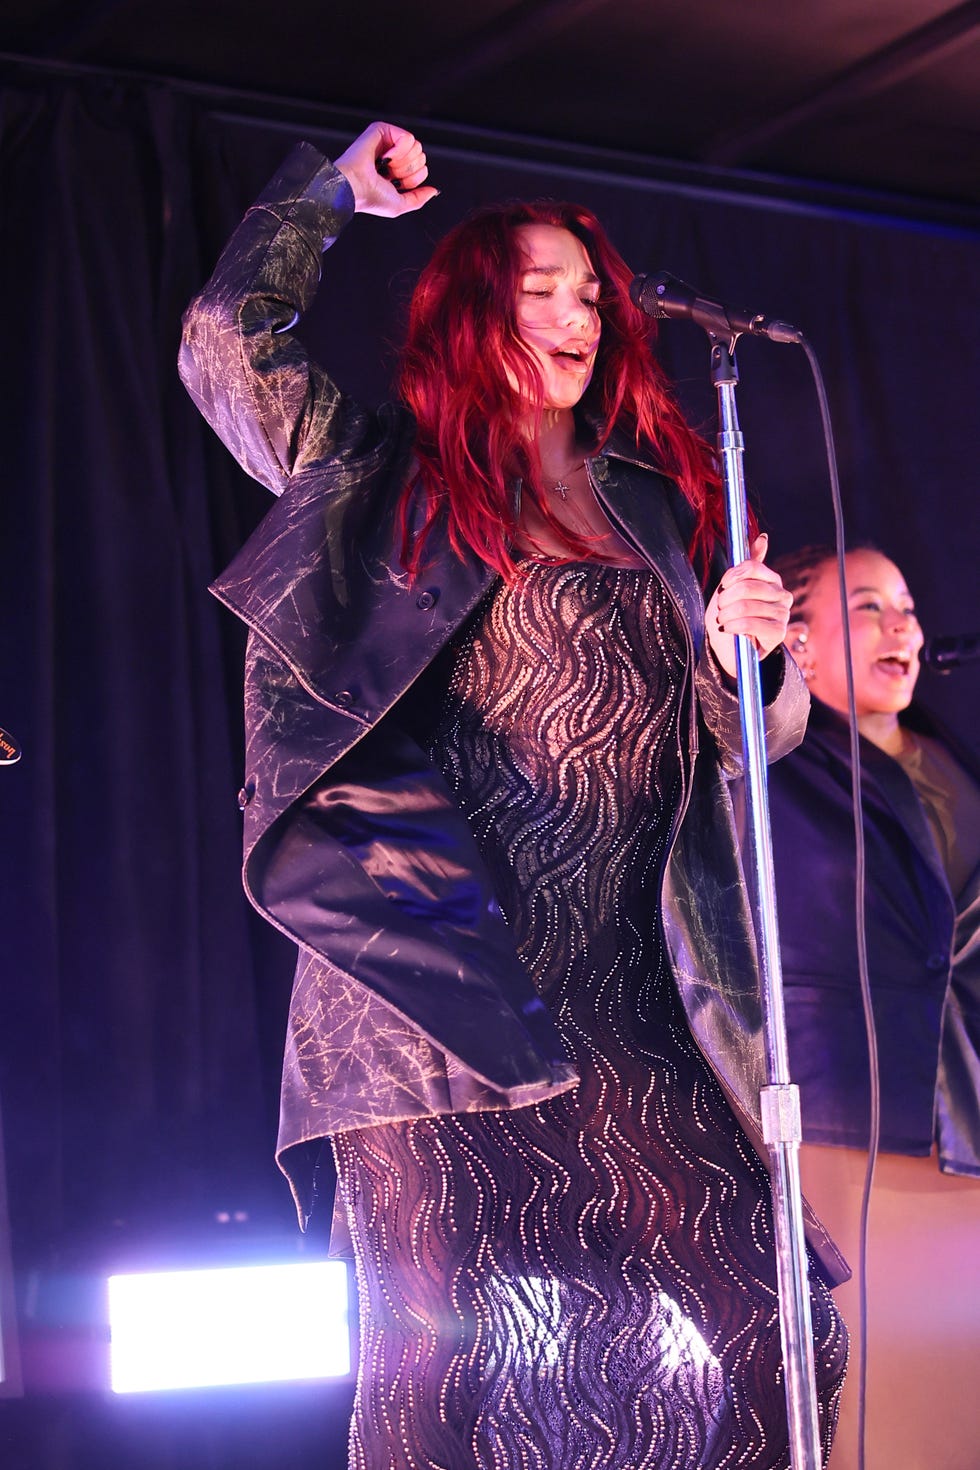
(586, 1284)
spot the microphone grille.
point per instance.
(645, 292)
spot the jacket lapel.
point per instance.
(649, 510)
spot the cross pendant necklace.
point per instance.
(560, 488)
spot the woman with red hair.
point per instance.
(490, 730)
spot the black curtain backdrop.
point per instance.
(142, 1003)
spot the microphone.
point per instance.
(951, 650)
(663, 295)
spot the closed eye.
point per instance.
(593, 302)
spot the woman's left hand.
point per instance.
(750, 599)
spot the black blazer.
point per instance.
(923, 956)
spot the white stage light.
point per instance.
(244, 1324)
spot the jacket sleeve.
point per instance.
(786, 704)
(270, 404)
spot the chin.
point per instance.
(900, 700)
(879, 706)
(565, 394)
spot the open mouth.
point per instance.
(572, 356)
(895, 663)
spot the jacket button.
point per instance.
(425, 600)
(245, 795)
(343, 698)
(937, 962)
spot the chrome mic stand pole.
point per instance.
(780, 1099)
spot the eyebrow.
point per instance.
(589, 279)
(859, 591)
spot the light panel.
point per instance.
(242, 1324)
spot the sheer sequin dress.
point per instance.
(586, 1284)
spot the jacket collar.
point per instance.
(621, 444)
(891, 784)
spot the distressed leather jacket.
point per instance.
(409, 998)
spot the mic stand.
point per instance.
(780, 1099)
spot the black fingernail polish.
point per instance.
(399, 185)
(383, 167)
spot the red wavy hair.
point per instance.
(469, 379)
